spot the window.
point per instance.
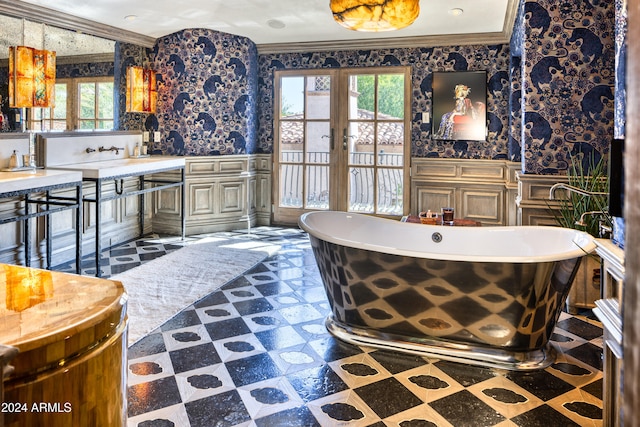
(81, 103)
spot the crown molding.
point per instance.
(388, 43)
(19, 9)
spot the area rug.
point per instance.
(161, 288)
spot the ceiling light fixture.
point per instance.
(375, 15)
(131, 17)
(456, 11)
(276, 24)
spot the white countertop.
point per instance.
(121, 167)
(26, 180)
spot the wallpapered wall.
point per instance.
(216, 93)
(569, 76)
(423, 61)
(621, 68)
(207, 89)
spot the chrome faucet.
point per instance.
(112, 148)
(573, 189)
(603, 229)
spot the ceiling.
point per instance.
(302, 22)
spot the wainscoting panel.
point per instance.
(533, 202)
(484, 205)
(222, 193)
(482, 190)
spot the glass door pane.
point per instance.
(375, 142)
(304, 144)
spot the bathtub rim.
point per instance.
(583, 248)
(522, 361)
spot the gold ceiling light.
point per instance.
(32, 77)
(375, 15)
(142, 95)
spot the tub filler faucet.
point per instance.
(112, 148)
(604, 230)
(571, 188)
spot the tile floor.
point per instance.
(256, 353)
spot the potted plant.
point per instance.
(585, 208)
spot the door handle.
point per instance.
(332, 143)
(345, 138)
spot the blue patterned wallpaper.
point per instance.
(127, 55)
(621, 68)
(568, 82)
(423, 61)
(207, 88)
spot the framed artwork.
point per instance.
(459, 105)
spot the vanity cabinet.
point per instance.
(609, 312)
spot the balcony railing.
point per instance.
(361, 182)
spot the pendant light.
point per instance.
(32, 76)
(375, 15)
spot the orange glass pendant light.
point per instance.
(32, 77)
(375, 15)
(142, 95)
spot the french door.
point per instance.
(341, 141)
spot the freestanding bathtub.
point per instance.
(488, 296)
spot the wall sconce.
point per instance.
(142, 95)
(32, 77)
(381, 15)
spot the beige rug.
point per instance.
(163, 287)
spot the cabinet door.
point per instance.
(486, 205)
(434, 198)
(200, 201)
(233, 196)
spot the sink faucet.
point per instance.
(573, 189)
(112, 148)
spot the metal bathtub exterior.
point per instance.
(496, 314)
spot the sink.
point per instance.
(21, 181)
(129, 166)
(93, 155)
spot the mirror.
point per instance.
(77, 55)
(67, 44)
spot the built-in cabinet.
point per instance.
(481, 190)
(222, 193)
(609, 312)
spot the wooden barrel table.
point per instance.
(71, 334)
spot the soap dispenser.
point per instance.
(15, 161)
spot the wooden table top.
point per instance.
(40, 307)
(459, 222)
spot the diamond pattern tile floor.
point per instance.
(256, 353)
